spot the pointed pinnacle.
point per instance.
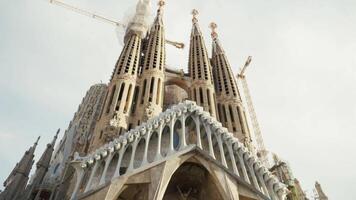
(55, 137)
(195, 13)
(161, 3)
(213, 27)
(38, 139)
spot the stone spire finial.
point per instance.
(213, 26)
(55, 137)
(36, 143)
(161, 3)
(195, 13)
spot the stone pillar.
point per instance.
(80, 174)
(107, 163)
(183, 141)
(243, 167)
(232, 156)
(88, 186)
(197, 123)
(222, 152)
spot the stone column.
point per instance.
(107, 163)
(88, 186)
(197, 124)
(232, 156)
(209, 134)
(222, 152)
(160, 130)
(183, 141)
(243, 167)
(80, 174)
(147, 142)
(252, 173)
(121, 154)
(260, 178)
(133, 153)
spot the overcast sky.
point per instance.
(302, 77)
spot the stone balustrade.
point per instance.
(179, 128)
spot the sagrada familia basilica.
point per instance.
(157, 133)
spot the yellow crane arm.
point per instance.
(86, 13)
(178, 45)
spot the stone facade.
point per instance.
(156, 133)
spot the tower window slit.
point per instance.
(158, 91)
(224, 113)
(120, 96)
(219, 112)
(111, 99)
(128, 99)
(231, 114)
(143, 91)
(151, 89)
(134, 100)
(201, 96)
(208, 98)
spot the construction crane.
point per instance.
(178, 45)
(261, 149)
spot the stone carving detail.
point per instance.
(149, 111)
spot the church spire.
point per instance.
(202, 90)
(16, 182)
(115, 117)
(41, 170)
(230, 110)
(149, 94)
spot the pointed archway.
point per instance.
(191, 181)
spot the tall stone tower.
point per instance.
(34, 190)
(231, 112)
(16, 182)
(202, 87)
(114, 119)
(148, 97)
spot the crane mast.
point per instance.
(261, 149)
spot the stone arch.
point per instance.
(140, 150)
(177, 135)
(216, 148)
(112, 166)
(152, 147)
(98, 173)
(85, 178)
(125, 160)
(134, 192)
(190, 130)
(228, 158)
(192, 181)
(165, 140)
(238, 165)
(204, 138)
(178, 82)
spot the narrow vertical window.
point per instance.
(143, 91)
(134, 100)
(151, 89)
(158, 91)
(120, 96)
(111, 99)
(231, 114)
(127, 99)
(224, 113)
(201, 96)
